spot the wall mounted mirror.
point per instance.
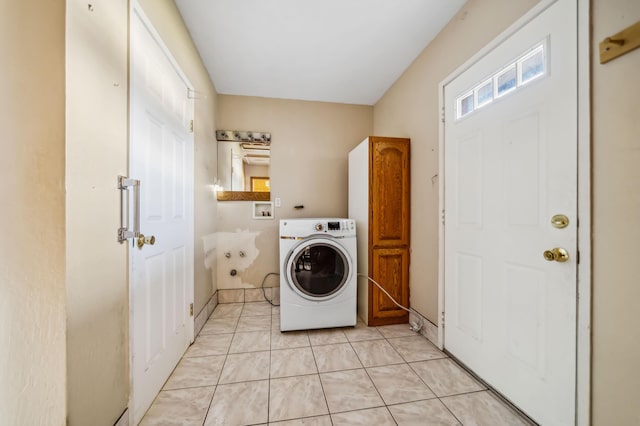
(243, 165)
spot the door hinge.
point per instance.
(578, 256)
(191, 309)
(191, 126)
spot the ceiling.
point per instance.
(346, 51)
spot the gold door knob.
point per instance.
(559, 221)
(557, 254)
(142, 240)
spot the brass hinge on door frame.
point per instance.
(191, 126)
(191, 309)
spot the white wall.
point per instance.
(32, 242)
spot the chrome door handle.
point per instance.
(124, 233)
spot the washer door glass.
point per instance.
(318, 269)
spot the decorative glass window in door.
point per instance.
(529, 66)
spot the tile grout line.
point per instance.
(369, 376)
(432, 391)
(439, 398)
(183, 357)
(324, 394)
(448, 409)
(411, 368)
(226, 356)
(215, 389)
(407, 364)
(270, 332)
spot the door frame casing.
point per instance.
(583, 302)
(136, 9)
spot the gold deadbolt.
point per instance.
(557, 254)
(560, 221)
(142, 240)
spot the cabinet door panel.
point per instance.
(389, 191)
(390, 268)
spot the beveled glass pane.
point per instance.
(507, 80)
(465, 105)
(485, 93)
(532, 66)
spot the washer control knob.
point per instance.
(318, 227)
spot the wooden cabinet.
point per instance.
(379, 201)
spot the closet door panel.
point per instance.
(390, 268)
(389, 192)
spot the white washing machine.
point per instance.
(318, 277)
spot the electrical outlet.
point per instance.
(278, 202)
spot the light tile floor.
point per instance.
(242, 370)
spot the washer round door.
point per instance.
(318, 268)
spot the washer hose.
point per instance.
(414, 326)
(264, 293)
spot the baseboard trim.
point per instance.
(428, 330)
(205, 313)
(246, 295)
(123, 420)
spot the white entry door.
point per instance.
(161, 275)
(510, 158)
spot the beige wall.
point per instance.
(410, 109)
(167, 21)
(32, 269)
(616, 210)
(96, 153)
(309, 151)
(32, 272)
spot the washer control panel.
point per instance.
(306, 227)
(333, 226)
(336, 227)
